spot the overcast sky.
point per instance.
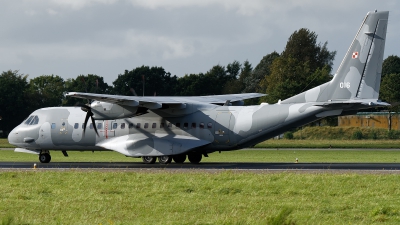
(106, 37)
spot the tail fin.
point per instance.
(359, 74)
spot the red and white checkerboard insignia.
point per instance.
(355, 55)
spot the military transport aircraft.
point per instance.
(176, 128)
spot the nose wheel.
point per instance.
(45, 158)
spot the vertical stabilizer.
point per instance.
(359, 74)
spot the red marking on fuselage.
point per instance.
(106, 128)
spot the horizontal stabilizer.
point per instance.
(365, 102)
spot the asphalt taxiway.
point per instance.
(202, 166)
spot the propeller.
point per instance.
(89, 113)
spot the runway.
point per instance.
(206, 166)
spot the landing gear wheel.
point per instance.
(45, 158)
(149, 159)
(179, 158)
(195, 158)
(165, 159)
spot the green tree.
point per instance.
(14, 100)
(235, 72)
(192, 85)
(391, 65)
(233, 69)
(90, 83)
(48, 90)
(390, 92)
(390, 88)
(156, 82)
(218, 77)
(255, 82)
(303, 64)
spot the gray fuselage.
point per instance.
(222, 127)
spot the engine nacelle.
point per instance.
(109, 111)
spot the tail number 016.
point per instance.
(344, 85)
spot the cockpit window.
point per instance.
(29, 120)
(32, 120)
(35, 120)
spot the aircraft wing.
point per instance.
(154, 102)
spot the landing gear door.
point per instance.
(221, 128)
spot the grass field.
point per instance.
(162, 197)
(197, 197)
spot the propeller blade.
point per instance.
(89, 113)
(85, 123)
(94, 124)
(133, 91)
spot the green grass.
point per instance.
(371, 144)
(162, 197)
(388, 156)
(345, 133)
(4, 143)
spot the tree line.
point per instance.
(303, 64)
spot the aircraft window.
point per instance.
(76, 125)
(201, 125)
(29, 119)
(154, 125)
(36, 120)
(185, 125)
(138, 125)
(115, 126)
(91, 126)
(209, 125)
(178, 124)
(83, 125)
(32, 120)
(130, 125)
(193, 125)
(169, 124)
(162, 125)
(53, 126)
(122, 125)
(146, 125)
(99, 126)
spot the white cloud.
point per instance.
(52, 12)
(79, 4)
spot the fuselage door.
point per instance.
(221, 128)
(111, 127)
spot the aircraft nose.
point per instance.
(24, 136)
(13, 137)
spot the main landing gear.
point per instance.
(44, 157)
(194, 158)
